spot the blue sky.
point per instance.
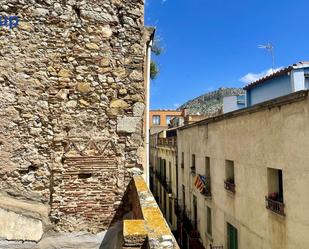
(214, 43)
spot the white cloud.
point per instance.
(176, 105)
(251, 77)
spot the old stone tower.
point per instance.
(72, 78)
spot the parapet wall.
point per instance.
(72, 106)
(148, 229)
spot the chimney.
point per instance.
(184, 112)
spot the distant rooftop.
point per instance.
(165, 110)
(302, 64)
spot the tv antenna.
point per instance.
(270, 48)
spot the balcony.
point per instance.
(178, 210)
(274, 205)
(193, 170)
(189, 225)
(167, 142)
(164, 182)
(147, 227)
(168, 187)
(230, 185)
(207, 190)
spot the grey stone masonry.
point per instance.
(72, 100)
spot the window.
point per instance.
(232, 237)
(274, 200)
(161, 167)
(207, 190)
(207, 167)
(156, 119)
(84, 175)
(193, 168)
(209, 222)
(170, 171)
(168, 119)
(165, 203)
(184, 197)
(306, 81)
(170, 211)
(193, 160)
(182, 159)
(194, 212)
(229, 182)
(164, 169)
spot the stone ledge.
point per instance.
(153, 223)
(134, 233)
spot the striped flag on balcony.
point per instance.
(200, 182)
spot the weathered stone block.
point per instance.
(134, 232)
(119, 103)
(83, 87)
(14, 226)
(92, 46)
(127, 124)
(138, 109)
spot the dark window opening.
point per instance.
(84, 175)
(209, 221)
(184, 197)
(207, 167)
(229, 182)
(193, 166)
(194, 212)
(182, 159)
(275, 197)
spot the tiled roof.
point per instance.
(280, 72)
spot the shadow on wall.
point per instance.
(113, 238)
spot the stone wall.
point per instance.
(72, 81)
(148, 227)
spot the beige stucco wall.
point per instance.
(169, 154)
(270, 138)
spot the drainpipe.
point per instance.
(148, 110)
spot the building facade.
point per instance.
(233, 103)
(160, 119)
(163, 168)
(243, 178)
(285, 81)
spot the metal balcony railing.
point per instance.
(193, 170)
(168, 187)
(216, 247)
(275, 206)
(189, 225)
(230, 186)
(164, 182)
(171, 141)
(207, 189)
